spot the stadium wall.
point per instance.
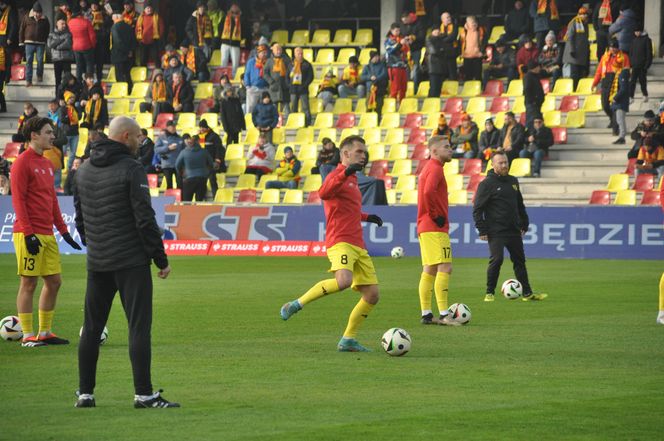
(555, 232)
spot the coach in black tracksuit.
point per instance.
(115, 219)
(501, 218)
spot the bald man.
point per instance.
(115, 219)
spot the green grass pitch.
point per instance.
(587, 363)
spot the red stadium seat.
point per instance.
(417, 136)
(17, 57)
(162, 119)
(220, 72)
(280, 123)
(569, 102)
(421, 152)
(247, 196)
(244, 56)
(313, 198)
(18, 72)
(475, 182)
(153, 180)
(378, 169)
(500, 104)
(600, 197)
(420, 166)
(453, 105)
(522, 119)
(644, 182)
(494, 88)
(455, 120)
(204, 106)
(387, 180)
(559, 135)
(176, 192)
(346, 121)
(11, 150)
(472, 167)
(631, 164)
(413, 121)
(546, 85)
(651, 197)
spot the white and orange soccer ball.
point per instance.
(460, 313)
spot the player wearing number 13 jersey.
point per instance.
(351, 264)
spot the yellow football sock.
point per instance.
(45, 321)
(357, 316)
(25, 318)
(661, 293)
(322, 288)
(441, 287)
(426, 286)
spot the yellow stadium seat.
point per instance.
(520, 167)
(361, 106)
(300, 37)
(245, 181)
(270, 196)
(136, 108)
(293, 196)
(618, 181)
(364, 57)
(389, 105)
(327, 133)
(563, 86)
(307, 165)
(342, 105)
(476, 104)
(575, 119)
(345, 54)
(431, 105)
(265, 179)
(204, 91)
(372, 135)
(458, 197)
(249, 121)
(324, 56)
(592, 34)
(119, 107)
(480, 117)
(408, 197)
(376, 151)
(454, 182)
(215, 60)
(280, 36)
(138, 74)
(304, 135)
(312, 183)
(452, 167)
(408, 105)
(584, 87)
(211, 118)
(450, 88)
(315, 105)
(410, 89)
(308, 54)
(549, 104)
(239, 75)
(118, 90)
(278, 135)
(307, 151)
(324, 120)
(154, 192)
(368, 120)
(519, 105)
(515, 89)
(423, 89)
(144, 120)
(224, 195)
(496, 32)
(363, 37)
(342, 37)
(471, 88)
(390, 120)
(553, 118)
(221, 180)
(295, 120)
(625, 197)
(398, 151)
(236, 167)
(186, 120)
(394, 136)
(499, 120)
(406, 182)
(350, 131)
(234, 151)
(391, 196)
(110, 77)
(593, 52)
(401, 167)
(321, 37)
(592, 103)
(139, 90)
(431, 121)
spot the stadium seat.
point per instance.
(324, 120)
(186, 121)
(417, 136)
(342, 105)
(324, 56)
(321, 37)
(406, 183)
(493, 88)
(153, 180)
(270, 196)
(520, 167)
(546, 85)
(514, 89)
(295, 120)
(350, 131)
(496, 32)
(119, 107)
(431, 121)
(138, 74)
(410, 89)
(312, 183)
(549, 104)
(631, 165)
(592, 103)
(408, 105)
(552, 118)
(390, 121)
(644, 182)
(423, 89)
(474, 182)
(651, 197)
(413, 121)
(11, 150)
(204, 106)
(304, 135)
(617, 182)
(458, 197)
(245, 180)
(307, 151)
(219, 72)
(110, 76)
(175, 192)
(344, 55)
(379, 169)
(391, 196)
(420, 152)
(376, 152)
(234, 151)
(453, 105)
(408, 197)
(307, 165)
(363, 37)
(308, 54)
(211, 118)
(294, 197)
(239, 75)
(364, 55)
(387, 182)
(584, 87)
(454, 120)
(454, 182)
(343, 37)
(499, 120)
(236, 167)
(394, 136)
(345, 121)
(563, 86)
(451, 167)
(144, 120)
(430, 105)
(203, 91)
(224, 195)
(372, 135)
(575, 119)
(625, 197)
(569, 103)
(265, 179)
(519, 105)
(280, 36)
(300, 37)
(139, 90)
(592, 34)
(559, 135)
(600, 197)
(397, 152)
(500, 104)
(471, 88)
(247, 197)
(450, 88)
(251, 136)
(118, 90)
(476, 104)
(314, 198)
(367, 120)
(389, 105)
(327, 133)
(472, 167)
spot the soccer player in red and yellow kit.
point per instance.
(351, 264)
(660, 316)
(433, 232)
(37, 254)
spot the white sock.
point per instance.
(444, 313)
(146, 397)
(426, 312)
(660, 316)
(86, 396)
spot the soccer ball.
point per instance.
(397, 252)
(512, 289)
(10, 328)
(460, 313)
(102, 339)
(396, 342)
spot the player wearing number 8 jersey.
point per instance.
(350, 262)
(37, 210)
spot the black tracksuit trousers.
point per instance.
(514, 245)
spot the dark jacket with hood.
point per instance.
(640, 54)
(114, 215)
(498, 210)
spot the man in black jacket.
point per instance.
(539, 139)
(512, 136)
(146, 151)
(640, 55)
(414, 29)
(501, 218)
(212, 144)
(533, 93)
(115, 219)
(123, 45)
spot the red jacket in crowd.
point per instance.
(83, 34)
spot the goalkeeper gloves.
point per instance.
(440, 221)
(32, 243)
(375, 219)
(353, 168)
(67, 237)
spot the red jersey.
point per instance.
(342, 201)
(33, 195)
(432, 198)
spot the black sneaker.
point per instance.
(52, 339)
(427, 319)
(619, 141)
(156, 401)
(84, 400)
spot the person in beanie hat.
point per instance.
(577, 47)
(607, 73)
(533, 93)
(464, 138)
(193, 166)
(300, 77)
(33, 34)
(350, 80)
(651, 127)
(288, 171)
(375, 79)
(212, 144)
(231, 37)
(254, 78)
(199, 34)
(640, 55)
(150, 30)
(265, 116)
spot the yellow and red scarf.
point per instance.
(420, 9)
(201, 139)
(203, 28)
(328, 83)
(92, 111)
(296, 72)
(155, 27)
(129, 18)
(4, 21)
(3, 55)
(226, 33)
(72, 114)
(279, 66)
(578, 25)
(260, 65)
(159, 91)
(97, 20)
(371, 100)
(190, 59)
(176, 94)
(605, 13)
(553, 8)
(351, 75)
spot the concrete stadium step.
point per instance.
(573, 170)
(552, 186)
(555, 199)
(590, 136)
(589, 153)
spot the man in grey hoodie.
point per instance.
(193, 165)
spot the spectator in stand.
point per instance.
(576, 54)
(350, 80)
(545, 18)
(650, 159)
(216, 16)
(149, 32)
(129, 14)
(62, 54)
(146, 151)
(512, 137)
(212, 144)
(503, 63)
(328, 158)
(199, 34)
(649, 127)
(396, 50)
(472, 48)
(69, 119)
(169, 51)
(231, 114)
(260, 160)
(300, 76)
(276, 72)
(231, 36)
(620, 104)
(533, 93)
(287, 171)
(29, 111)
(327, 89)
(623, 28)
(101, 23)
(374, 76)
(84, 40)
(95, 110)
(9, 25)
(5, 167)
(608, 68)
(176, 66)
(63, 11)
(179, 96)
(604, 13)
(265, 116)
(123, 47)
(517, 22)
(436, 63)
(550, 58)
(640, 55)
(168, 147)
(443, 129)
(56, 156)
(193, 166)
(86, 91)
(539, 139)
(489, 140)
(449, 31)
(194, 60)
(527, 51)
(254, 77)
(414, 29)
(464, 139)
(156, 96)
(69, 83)
(33, 34)
(54, 112)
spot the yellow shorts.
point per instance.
(355, 259)
(435, 248)
(46, 263)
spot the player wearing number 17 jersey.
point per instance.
(350, 262)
